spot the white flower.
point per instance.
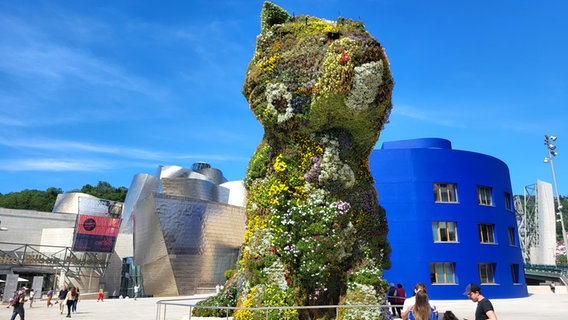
(332, 168)
(368, 77)
(277, 92)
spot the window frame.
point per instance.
(486, 233)
(448, 272)
(512, 236)
(485, 196)
(508, 203)
(515, 273)
(437, 231)
(486, 272)
(449, 189)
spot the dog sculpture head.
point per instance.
(311, 75)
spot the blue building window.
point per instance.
(508, 205)
(445, 192)
(515, 273)
(486, 272)
(512, 239)
(486, 233)
(442, 272)
(484, 196)
(444, 231)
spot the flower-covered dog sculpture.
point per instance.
(316, 233)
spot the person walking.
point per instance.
(421, 309)
(18, 304)
(391, 297)
(71, 297)
(101, 296)
(484, 308)
(32, 295)
(49, 297)
(400, 298)
(61, 298)
(136, 289)
(77, 298)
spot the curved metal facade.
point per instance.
(405, 173)
(188, 228)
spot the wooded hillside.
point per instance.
(45, 200)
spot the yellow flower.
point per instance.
(279, 164)
(269, 64)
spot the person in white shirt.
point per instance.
(409, 302)
(136, 289)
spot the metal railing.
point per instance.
(560, 271)
(162, 306)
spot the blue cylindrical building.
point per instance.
(451, 219)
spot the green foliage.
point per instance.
(268, 296)
(228, 297)
(561, 260)
(104, 190)
(272, 14)
(362, 295)
(229, 274)
(45, 200)
(258, 163)
(30, 199)
(313, 238)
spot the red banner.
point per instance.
(96, 233)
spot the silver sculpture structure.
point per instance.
(188, 226)
(537, 224)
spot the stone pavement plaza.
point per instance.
(537, 306)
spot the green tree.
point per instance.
(45, 200)
(561, 260)
(31, 199)
(105, 190)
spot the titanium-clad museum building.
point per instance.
(188, 227)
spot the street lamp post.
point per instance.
(551, 154)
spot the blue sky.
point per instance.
(102, 90)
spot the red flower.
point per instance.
(344, 58)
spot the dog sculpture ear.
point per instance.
(272, 14)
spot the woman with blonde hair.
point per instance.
(421, 309)
(101, 296)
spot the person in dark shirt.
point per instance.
(484, 307)
(61, 298)
(19, 304)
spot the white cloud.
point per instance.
(441, 117)
(52, 165)
(82, 148)
(75, 146)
